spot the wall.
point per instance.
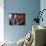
(1, 21)
(30, 7)
(43, 6)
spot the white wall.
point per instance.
(1, 21)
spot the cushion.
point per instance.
(20, 42)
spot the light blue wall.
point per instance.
(30, 7)
(43, 6)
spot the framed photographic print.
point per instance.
(17, 19)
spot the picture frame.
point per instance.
(17, 19)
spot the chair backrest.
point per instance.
(36, 30)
